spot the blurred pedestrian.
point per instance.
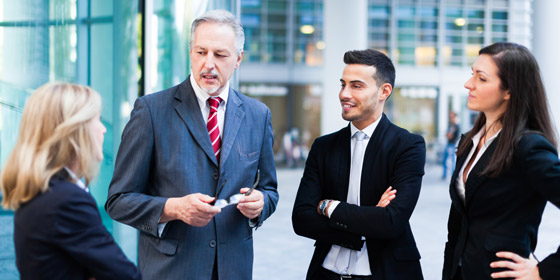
(452, 136)
(507, 169)
(287, 147)
(58, 233)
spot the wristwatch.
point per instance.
(323, 207)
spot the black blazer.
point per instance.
(59, 235)
(393, 157)
(502, 213)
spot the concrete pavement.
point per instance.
(281, 254)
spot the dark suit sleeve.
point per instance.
(80, 233)
(268, 183)
(389, 222)
(127, 201)
(543, 167)
(305, 219)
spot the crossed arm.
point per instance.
(385, 199)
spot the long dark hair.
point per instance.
(527, 110)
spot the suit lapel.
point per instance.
(475, 180)
(342, 172)
(189, 111)
(233, 119)
(367, 192)
(457, 201)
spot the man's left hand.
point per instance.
(252, 205)
(520, 268)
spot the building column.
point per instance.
(345, 28)
(546, 39)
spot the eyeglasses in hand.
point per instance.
(234, 199)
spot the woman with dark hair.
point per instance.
(507, 169)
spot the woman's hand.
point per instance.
(520, 268)
(387, 196)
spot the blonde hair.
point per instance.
(55, 131)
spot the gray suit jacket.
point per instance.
(166, 152)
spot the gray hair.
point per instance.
(224, 17)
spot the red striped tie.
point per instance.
(212, 126)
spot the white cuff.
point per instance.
(160, 228)
(334, 203)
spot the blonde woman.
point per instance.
(58, 232)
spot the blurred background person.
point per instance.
(58, 232)
(452, 136)
(508, 169)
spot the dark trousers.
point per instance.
(458, 274)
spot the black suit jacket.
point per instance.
(59, 235)
(393, 157)
(502, 213)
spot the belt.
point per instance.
(329, 275)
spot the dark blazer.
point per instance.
(166, 152)
(59, 235)
(393, 157)
(502, 213)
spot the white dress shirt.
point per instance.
(202, 98)
(362, 261)
(475, 141)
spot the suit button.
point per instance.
(215, 176)
(212, 244)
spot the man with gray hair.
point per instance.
(195, 170)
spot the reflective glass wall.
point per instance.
(87, 42)
(91, 43)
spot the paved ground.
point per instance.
(281, 254)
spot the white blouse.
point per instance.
(476, 139)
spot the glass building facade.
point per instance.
(434, 33)
(283, 31)
(70, 41)
(424, 38)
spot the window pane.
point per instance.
(500, 15)
(475, 14)
(499, 28)
(101, 8)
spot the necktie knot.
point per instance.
(360, 135)
(214, 102)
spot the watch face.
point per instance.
(323, 206)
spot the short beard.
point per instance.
(210, 91)
(213, 90)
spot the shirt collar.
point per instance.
(76, 180)
(476, 137)
(368, 130)
(202, 96)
